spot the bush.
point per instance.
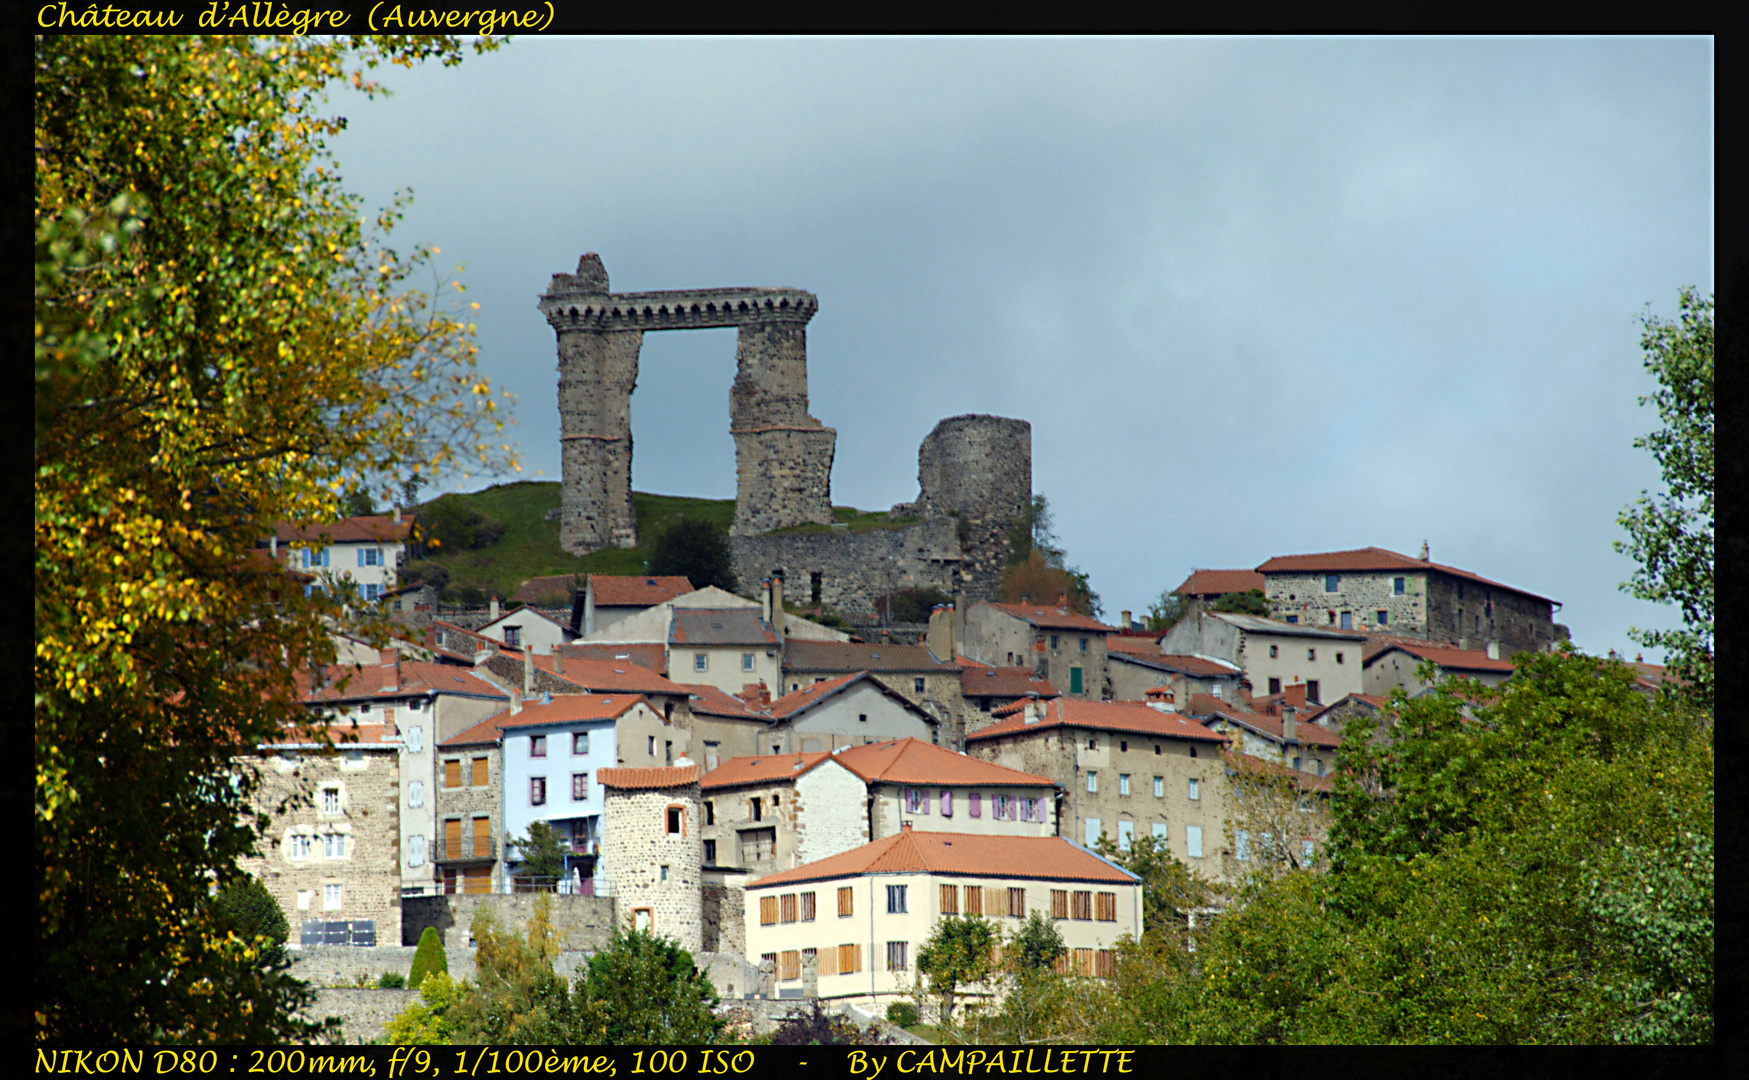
(911, 605)
(247, 908)
(904, 1014)
(429, 959)
(696, 550)
(453, 526)
(816, 1028)
(392, 980)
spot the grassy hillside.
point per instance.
(530, 547)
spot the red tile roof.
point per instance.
(765, 769)
(1220, 582)
(713, 701)
(1050, 617)
(671, 777)
(637, 590)
(344, 734)
(1303, 780)
(1447, 657)
(352, 530)
(1373, 558)
(1377, 643)
(562, 709)
(608, 677)
(1195, 666)
(1049, 858)
(1131, 717)
(1306, 733)
(982, 680)
(855, 656)
(806, 698)
(651, 656)
(1133, 644)
(913, 761)
(416, 677)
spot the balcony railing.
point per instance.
(468, 848)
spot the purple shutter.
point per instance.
(975, 804)
(946, 803)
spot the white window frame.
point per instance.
(1092, 780)
(701, 661)
(1193, 841)
(332, 896)
(1159, 787)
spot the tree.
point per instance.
(911, 605)
(1171, 891)
(246, 908)
(429, 958)
(1166, 610)
(814, 1027)
(644, 990)
(697, 550)
(219, 344)
(1037, 569)
(427, 1022)
(1250, 602)
(1671, 535)
(515, 997)
(960, 952)
(541, 853)
(1275, 821)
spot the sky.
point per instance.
(1256, 297)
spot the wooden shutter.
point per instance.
(789, 964)
(767, 911)
(846, 903)
(1059, 904)
(452, 838)
(828, 962)
(787, 907)
(482, 837)
(808, 899)
(1083, 908)
(1106, 910)
(1017, 903)
(950, 900)
(974, 899)
(481, 777)
(452, 774)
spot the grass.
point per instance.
(530, 544)
(849, 519)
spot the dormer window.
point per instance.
(513, 636)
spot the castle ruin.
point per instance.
(974, 472)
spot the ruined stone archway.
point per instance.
(783, 456)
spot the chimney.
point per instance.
(777, 603)
(528, 673)
(397, 513)
(1162, 698)
(1426, 555)
(1124, 622)
(904, 826)
(515, 702)
(941, 638)
(1295, 696)
(1290, 728)
(755, 694)
(1035, 709)
(765, 600)
(558, 660)
(392, 674)
(1493, 650)
(273, 545)
(494, 609)
(1063, 603)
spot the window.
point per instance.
(1059, 904)
(755, 810)
(846, 903)
(1123, 783)
(1274, 651)
(579, 786)
(946, 803)
(482, 772)
(513, 636)
(537, 791)
(710, 813)
(1159, 787)
(1000, 808)
(1105, 910)
(1093, 833)
(452, 774)
(808, 906)
(370, 557)
(1074, 680)
(746, 661)
(1332, 582)
(664, 873)
(415, 851)
(1311, 654)
(1293, 620)
(331, 897)
(1320, 764)
(710, 852)
(950, 899)
(1398, 587)
(1026, 809)
(1083, 644)
(975, 804)
(1296, 764)
(1384, 617)
(917, 685)
(786, 908)
(1161, 833)
(1093, 744)
(758, 845)
(849, 956)
(1242, 845)
(301, 846)
(1126, 832)
(373, 591)
(768, 911)
(1092, 780)
(416, 793)
(580, 742)
(643, 919)
(1274, 687)
(537, 746)
(701, 661)
(896, 958)
(975, 900)
(651, 748)
(1017, 903)
(1192, 792)
(676, 821)
(1312, 694)
(668, 752)
(1193, 841)
(330, 800)
(1081, 906)
(1053, 642)
(895, 899)
(1348, 620)
(1339, 658)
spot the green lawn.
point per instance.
(530, 544)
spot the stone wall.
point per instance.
(584, 923)
(977, 469)
(855, 567)
(1432, 605)
(637, 853)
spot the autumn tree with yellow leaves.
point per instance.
(220, 344)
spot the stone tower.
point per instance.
(652, 850)
(783, 456)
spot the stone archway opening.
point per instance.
(683, 446)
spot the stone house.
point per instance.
(912, 671)
(1274, 654)
(421, 703)
(1372, 588)
(752, 811)
(728, 648)
(1399, 664)
(651, 851)
(1134, 673)
(367, 551)
(848, 927)
(1124, 769)
(1334, 717)
(846, 711)
(1056, 643)
(1283, 738)
(609, 598)
(468, 851)
(725, 726)
(330, 854)
(987, 689)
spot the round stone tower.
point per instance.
(978, 470)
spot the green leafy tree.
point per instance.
(427, 1022)
(1671, 535)
(429, 958)
(541, 853)
(1171, 891)
(218, 342)
(1166, 610)
(248, 909)
(1038, 569)
(960, 952)
(644, 990)
(1032, 989)
(1250, 602)
(514, 998)
(697, 550)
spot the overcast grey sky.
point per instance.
(1256, 297)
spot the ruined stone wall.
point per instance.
(854, 568)
(584, 923)
(977, 469)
